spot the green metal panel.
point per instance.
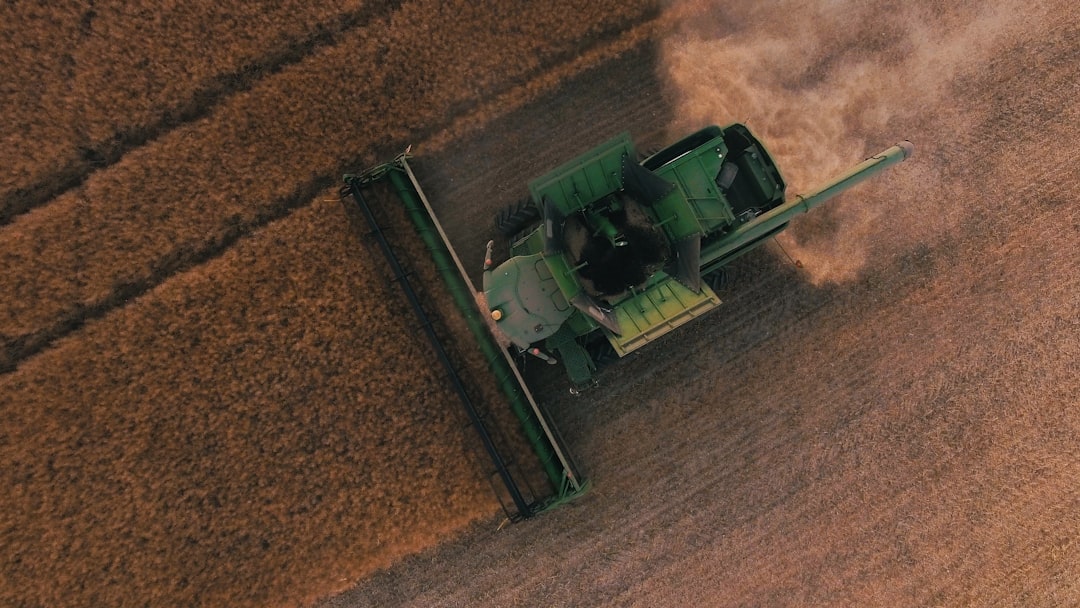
(663, 306)
(697, 207)
(543, 437)
(675, 216)
(581, 324)
(564, 275)
(590, 176)
(529, 299)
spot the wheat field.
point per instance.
(213, 393)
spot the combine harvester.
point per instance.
(607, 254)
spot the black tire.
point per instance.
(651, 151)
(514, 218)
(720, 279)
(602, 353)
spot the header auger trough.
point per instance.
(565, 480)
(609, 254)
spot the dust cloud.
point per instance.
(828, 83)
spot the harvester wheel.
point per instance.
(652, 150)
(719, 279)
(514, 218)
(602, 353)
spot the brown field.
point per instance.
(214, 395)
(124, 75)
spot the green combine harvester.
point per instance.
(607, 254)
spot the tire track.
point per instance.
(86, 159)
(928, 433)
(76, 316)
(54, 291)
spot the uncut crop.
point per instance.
(259, 429)
(193, 191)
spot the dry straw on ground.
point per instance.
(211, 396)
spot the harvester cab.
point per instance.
(610, 253)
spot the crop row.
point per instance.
(191, 193)
(87, 82)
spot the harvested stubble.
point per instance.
(187, 195)
(83, 83)
(257, 431)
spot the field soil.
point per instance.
(213, 392)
